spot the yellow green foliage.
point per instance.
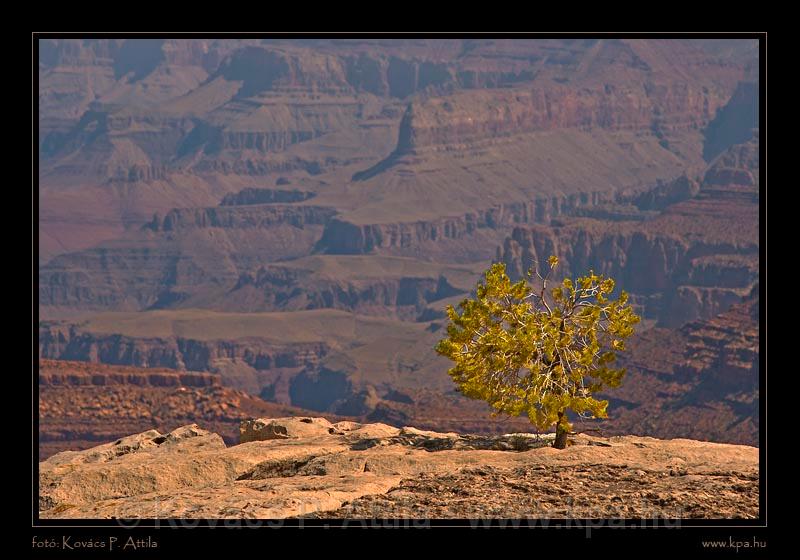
(531, 350)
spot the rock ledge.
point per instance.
(309, 467)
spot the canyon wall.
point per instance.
(60, 342)
(472, 116)
(290, 288)
(242, 217)
(671, 279)
(694, 258)
(343, 237)
(196, 195)
(700, 379)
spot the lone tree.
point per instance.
(526, 349)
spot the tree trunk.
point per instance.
(561, 433)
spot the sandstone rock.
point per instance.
(108, 451)
(347, 426)
(414, 432)
(192, 474)
(137, 443)
(124, 466)
(283, 428)
(185, 432)
(372, 431)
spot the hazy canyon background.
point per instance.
(234, 228)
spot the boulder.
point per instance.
(260, 429)
(136, 443)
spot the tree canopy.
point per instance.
(526, 348)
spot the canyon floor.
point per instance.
(311, 468)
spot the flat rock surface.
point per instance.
(378, 471)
